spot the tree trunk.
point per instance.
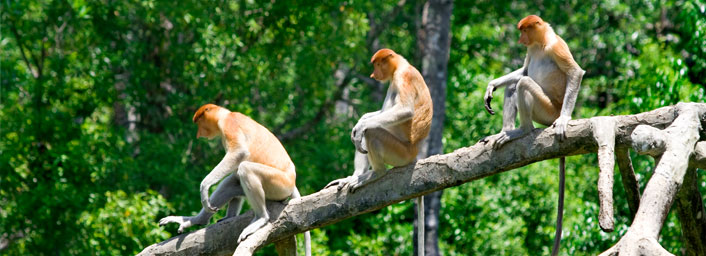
(433, 42)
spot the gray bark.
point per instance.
(329, 206)
(632, 188)
(674, 146)
(690, 211)
(604, 134)
(433, 42)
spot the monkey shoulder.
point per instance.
(412, 75)
(412, 81)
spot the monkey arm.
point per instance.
(229, 164)
(510, 78)
(566, 63)
(573, 83)
(397, 114)
(574, 74)
(507, 79)
(369, 115)
(390, 117)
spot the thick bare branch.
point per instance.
(604, 134)
(698, 160)
(690, 211)
(675, 144)
(329, 206)
(632, 188)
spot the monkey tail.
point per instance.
(420, 226)
(560, 207)
(307, 234)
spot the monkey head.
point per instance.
(385, 63)
(532, 29)
(206, 117)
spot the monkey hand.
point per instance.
(184, 222)
(358, 137)
(489, 97)
(207, 206)
(560, 126)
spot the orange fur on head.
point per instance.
(529, 21)
(202, 110)
(206, 120)
(382, 54)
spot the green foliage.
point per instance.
(96, 99)
(105, 229)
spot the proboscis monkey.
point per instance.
(256, 165)
(393, 134)
(543, 90)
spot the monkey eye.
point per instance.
(206, 109)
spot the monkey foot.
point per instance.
(339, 182)
(364, 179)
(498, 140)
(250, 229)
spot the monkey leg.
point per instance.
(509, 113)
(234, 207)
(533, 104)
(383, 148)
(228, 190)
(510, 107)
(360, 166)
(261, 182)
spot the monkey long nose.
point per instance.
(372, 75)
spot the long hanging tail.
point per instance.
(560, 207)
(420, 226)
(307, 234)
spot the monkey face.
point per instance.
(524, 38)
(383, 71)
(531, 30)
(206, 130)
(205, 118)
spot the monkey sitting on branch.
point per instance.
(543, 90)
(256, 165)
(393, 134)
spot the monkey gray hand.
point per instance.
(206, 205)
(184, 222)
(560, 126)
(489, 97)
(357, 136)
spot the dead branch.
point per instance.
(329, 206)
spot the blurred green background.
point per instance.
(96, 99)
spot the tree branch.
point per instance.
(323, 110)
(329, 206)
(675, 145)
(604, 134)
(632, 188)
(18, 38)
